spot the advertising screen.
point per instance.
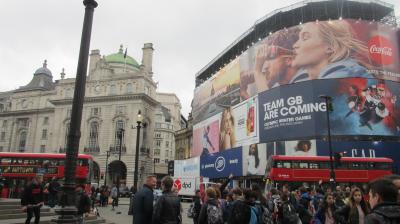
(360, 107)
(187, 168)
(254, 159)
(222, 164)
(389, 149)
(320, 50)
(218, 92)
(206, 136)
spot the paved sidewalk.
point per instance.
(124, 218)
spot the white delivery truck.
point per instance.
(187, 186)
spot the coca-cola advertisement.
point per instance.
(320, 50)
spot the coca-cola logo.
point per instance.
(381, 50)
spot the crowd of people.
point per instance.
(379, 203)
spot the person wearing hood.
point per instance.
(211, 211)
(383, 200)
(327, 49)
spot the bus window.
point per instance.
(5, 160)
(295, 165)
(358, 166)
(313, 165)
(303, 165)
(383, 166)
(371, 166)
(324, 165)
(282, 164)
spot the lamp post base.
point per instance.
(66, 215)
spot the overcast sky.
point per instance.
(186, 34)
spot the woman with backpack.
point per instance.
(211, 211)
(355, 211)
(287, 212)
(326, 212)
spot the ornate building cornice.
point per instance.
(26, 112)
(113, 98)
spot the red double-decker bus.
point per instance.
(16, 169)
(316, 168)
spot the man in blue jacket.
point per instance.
(143, 202)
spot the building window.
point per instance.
(22, 141)
(45, 120)
(121, 109)
(167, 144)
(113, 89)
(44, 134)
(23, 122)
(156, 152)
(158, 143)
(118, 126)
(166, 161)
(147, 90)
(93, 135)
(158, 135)
(95, 111)
(69, 112)
(3, 136)
(1, 148)
(129, 88)
(43, 148)
(156, 160)
(4, 123)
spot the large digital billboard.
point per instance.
(217, 93)
(360, 107)
(222, 164)
(320, 50)
(233, 127)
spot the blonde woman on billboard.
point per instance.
(227, 138)
(328, 49)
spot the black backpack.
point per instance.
(289, 214)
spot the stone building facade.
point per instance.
(35, 117)
(184, 139)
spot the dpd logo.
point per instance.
(381, 50)
(220, 164)
(178, 184)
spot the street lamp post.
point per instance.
(332, 178)
(105, 176)
(120, 135)
(138, 126)
(68, 211)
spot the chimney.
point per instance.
(147, 59)
(94, 58)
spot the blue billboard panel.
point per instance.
(389, 149)
(361, 107)
(222, 164)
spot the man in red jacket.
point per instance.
(32, 199)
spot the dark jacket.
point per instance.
(197, 207)
(32, 195)
(349, 215)
(240, 212)
(384, 213)
(320, 215)
(303, 210)
(143, 205)
(54, 187)
(83, 203)
(203, 212)
(167, 210)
